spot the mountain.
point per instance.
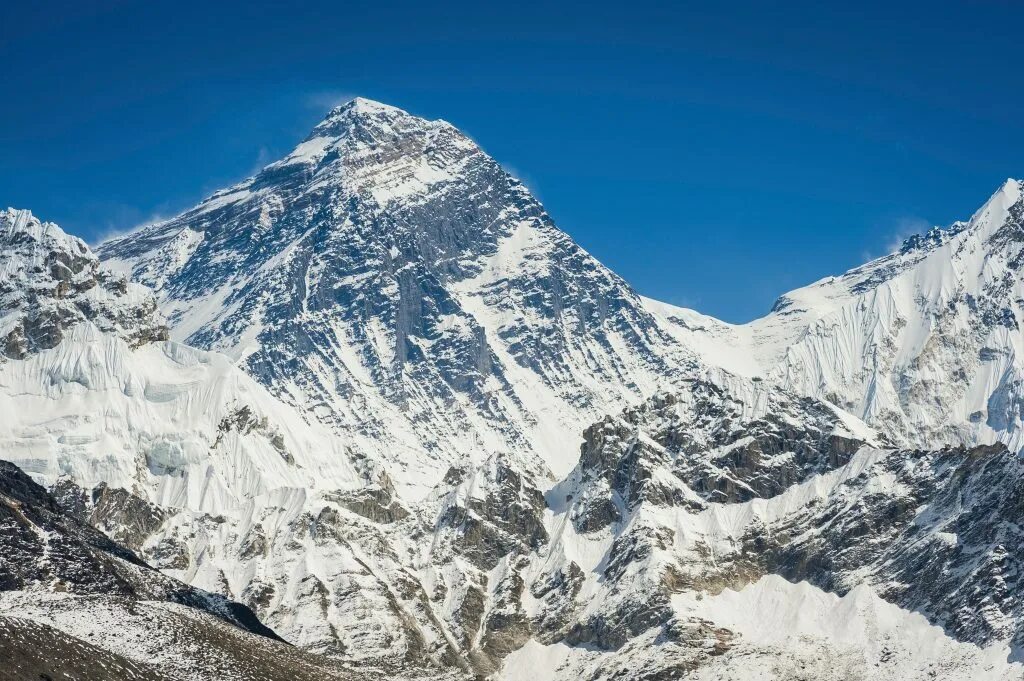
(389, 407)
(392, 279)
(50, 281)
(76, 604)
(48, 549)
(924, 343)
(813, 551)
(195, 466)
(752, 589)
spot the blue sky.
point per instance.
(714, 157)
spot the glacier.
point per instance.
(376, 395)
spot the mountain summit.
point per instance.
(391, 278)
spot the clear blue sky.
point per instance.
(714, 157)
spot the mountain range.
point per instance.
(370, 412)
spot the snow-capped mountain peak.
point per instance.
(443, 438)
(391, 278)
(356, 136)
(359, 109)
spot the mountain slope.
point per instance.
(74, 603)
(924, 343)
(390, 278)
(195, 466)
(47, 550)
(636, 578)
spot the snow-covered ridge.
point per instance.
(924, 343)
(51, 282)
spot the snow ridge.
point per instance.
(412, 424)
(924, 343)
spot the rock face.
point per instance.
(636, 549)
(50, 281)
(392, 279)
(707, 438)
(418, 431)
(45, 549)
(943, 528)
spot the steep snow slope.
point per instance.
(924, 343)
(392, 279)
(783, 632)
(182, 424)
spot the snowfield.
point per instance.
(374, 394)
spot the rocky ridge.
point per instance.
(460, 446)
(50, 281)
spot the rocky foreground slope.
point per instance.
(425, 434)
(76, 604)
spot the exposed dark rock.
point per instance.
(54, 282)
(45, 548)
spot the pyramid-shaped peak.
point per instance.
(360, 107)
(366, 115)
(369, 106)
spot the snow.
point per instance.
(773, 614)
(786, 631)
(531, 341)
(878, 339)
(718, 343)
(93, 408)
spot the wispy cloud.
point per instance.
(114, 220)
(325, 100)
(680, 300)
(263, 157)
(526, 179)
(898, 231)
(119, 220)
(905, 228)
